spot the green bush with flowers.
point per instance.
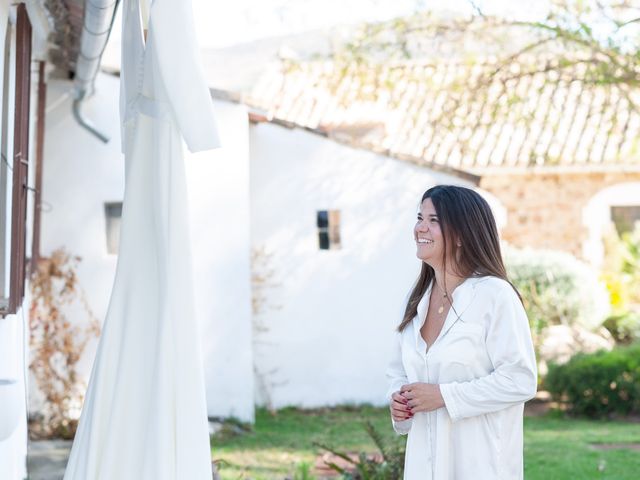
(621, 274)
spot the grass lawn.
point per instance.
(555, 448)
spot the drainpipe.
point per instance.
(99, 16)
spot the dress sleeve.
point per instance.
(182, 74)
(397, 377)
(514, 376)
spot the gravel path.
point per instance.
(47, 459)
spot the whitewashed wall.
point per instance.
(219, 200)
(81, 174)
(14, 328)
(330, 315)
(13, 410)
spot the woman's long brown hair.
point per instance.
(466, 218)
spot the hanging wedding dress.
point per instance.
(144, 415)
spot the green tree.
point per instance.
(593, 42)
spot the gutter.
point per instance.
(99, 16)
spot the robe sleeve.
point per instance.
(182, 74)
(397, 377)
(510, 348)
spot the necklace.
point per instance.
(444, 296)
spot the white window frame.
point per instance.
(596, 217)
(7, 112)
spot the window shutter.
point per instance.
(20, 160)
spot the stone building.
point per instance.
(566, 210)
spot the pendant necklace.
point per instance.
(444, 296)
(441, 309)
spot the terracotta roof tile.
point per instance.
(517, 120)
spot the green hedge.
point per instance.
(599, 384)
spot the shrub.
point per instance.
(557, 289)
(57, 344)
(388, 465)
(625, 327)
(600, 384)
(621, 273)
(303, 472)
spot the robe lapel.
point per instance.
(421, 316)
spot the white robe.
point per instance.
(485, 365)
(144, 416)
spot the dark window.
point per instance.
(625, 217)
(328, 222)
(113, 215)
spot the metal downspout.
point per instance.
(98, 20)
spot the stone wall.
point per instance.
(545, 210)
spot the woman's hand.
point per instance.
(399, 409)
(422, 397)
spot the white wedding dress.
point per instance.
(144, 415)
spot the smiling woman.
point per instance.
(464, 362)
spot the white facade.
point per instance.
(13, 328)
(13, 411)
(324, 335)
(81, 174)
(219, 200)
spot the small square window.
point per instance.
(328, 222)
(323, 219)
(113, 215)
(625, 217)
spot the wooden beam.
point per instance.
(40, 129)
